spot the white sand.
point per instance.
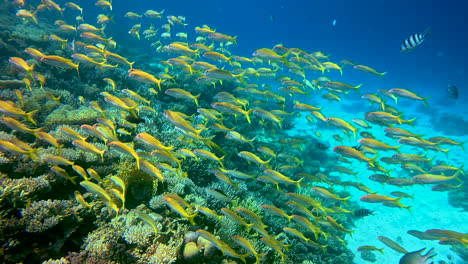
(431, 210)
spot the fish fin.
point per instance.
(191, 218)
(427, 31)
(424, 100)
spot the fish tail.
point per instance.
(410, 122)
(445, 151)
(102, 157)
(298, 183)
(373, 161)
(77, 69)
(101, 30)
(247, 115)
(137, 158)
(408, 208)
(461, 145)
(357, 88)
(195, 98)
(455, 176)
(381, 250)
(424, 100)
(397, 148)
(427, 32)
(28, 116)
(191, 218)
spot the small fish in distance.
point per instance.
(414, 40)
(452, 91)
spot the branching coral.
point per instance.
(43, 215)
(22, 190)
(104, 243)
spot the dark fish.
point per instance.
(416, 257)
(288, 126)
(321, 146)
(357, 147)
(366, 134)
(452, 91)
(414, 40)
(133, 119)
(363, 212)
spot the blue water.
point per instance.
(368, 32)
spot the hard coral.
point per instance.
(22, 190)
(67, 114)
(43, 215)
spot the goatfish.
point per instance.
(384, 118)
(282, 178)
(414, 40)
(146, 166)
(271, 56)
(26, 14)
(208, 155)
(144, 77)
(176, 207)
(9, 109)
(238, 137)
(273, 210)
(377, 198)
(446, 141)
(341, 87)
(118, 59)
(17, 125)
(232, 109)
(337, 226)
(433, 179)
(392, 244)
(94, 38)
(220, 74)
(367, 248)
(250, 157)
(104, 4)
(375, 144)
(60, 62)
(21, 64)
(263, 114)
(16, 148)
(340, 123)
(400, 132)
(408, 94)
(181, 93)
(125, 149)
(36, 54)
(152, 142)
(88, 147)
(367, 69)
(177, 120)
(153, 14)
(324, 193)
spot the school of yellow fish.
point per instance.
(253, 107)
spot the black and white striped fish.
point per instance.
(414, 40)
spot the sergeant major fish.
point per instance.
(414, 40)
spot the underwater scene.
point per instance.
(267, 132)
